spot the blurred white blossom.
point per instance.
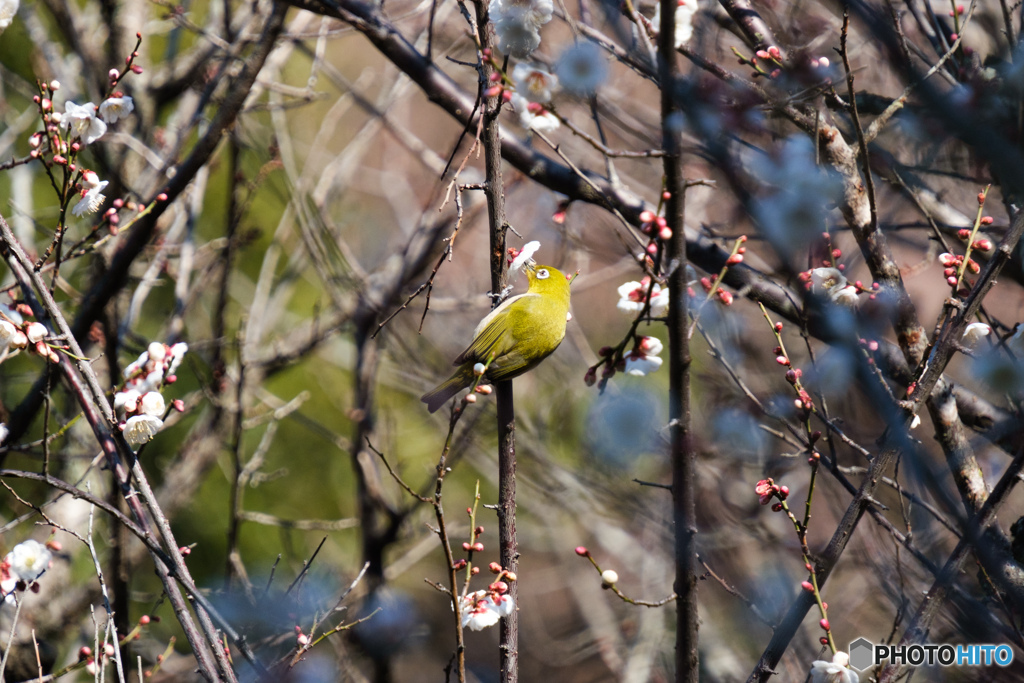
(8, 8)
(582, 69)
(517, 24)
(114, 108)
(827, 281)
(795, 211)
(685, 11)
(975, 332)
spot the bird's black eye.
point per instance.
(543, 274)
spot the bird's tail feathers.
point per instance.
(460, 379)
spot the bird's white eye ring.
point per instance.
(543, 274)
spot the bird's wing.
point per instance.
(492, 338)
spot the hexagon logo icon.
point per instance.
(862, 654)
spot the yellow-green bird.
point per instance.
(515, 336)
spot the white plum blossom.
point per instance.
(835, 671)
(845, 296)
(643, 359)
(517, 24)
(534, 82)
(484, 608)
(154, 367)
(827, 281)
(152, 403)
(114, 108)
(127, 401)
(7, 334)
(633, 294)
(92, 194)
(178, 352)
(525, 256)
(81, 122)
(582, 69)
(28, 560)
(140, 429)
(685, 11)
(8, 8)
(533, 116)
(4, 431)
(156, 351)
(975, 332)
(36, 332)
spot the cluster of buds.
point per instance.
(767, 490)
(655, 227)
(803, 399)
(724, 296)
(140, 406)
(773, 58)
(953, 264)
(497, 88)
(823, 622)
(155, 367)
(85, 654)
(17, 333)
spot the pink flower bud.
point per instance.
(646, 216)
(981, 198)
(824, 624)
(474, 571)
(582, 551)
(113, 74)
(665, 234)
(734, 259)
(782, 360)
(986, 220)
(478, 547)
(807, 586)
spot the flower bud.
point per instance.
(582, 551)
(609, 577)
